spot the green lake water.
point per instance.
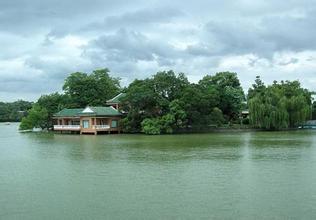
(239, 175)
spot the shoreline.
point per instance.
(208, 131)
(180, 131)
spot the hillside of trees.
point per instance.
(14, 111)
(167, 102)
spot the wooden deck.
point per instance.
(95, 129)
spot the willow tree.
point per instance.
(278, 106)
(298, 109)
(266, 115)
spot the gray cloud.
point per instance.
(136, 18)
(27, 17)
(290, 33)
(263, 35)
(43, 41)
(124, 49)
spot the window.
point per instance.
(75, 122)
(85, 124)
(114, 124)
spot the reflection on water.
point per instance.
(139, 147)
(218, 146)
(242, 175)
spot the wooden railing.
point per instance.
(101, 127)
(67, 127)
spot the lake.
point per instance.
(238, 175)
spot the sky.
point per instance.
(42, 42)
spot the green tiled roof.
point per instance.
(117, 98)
(101, 111)
(70, 112)
(96, 111)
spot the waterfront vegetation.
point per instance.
(14, 111)
(167, 102)
(280, 105)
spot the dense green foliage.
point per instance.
(53, 103)
(167, 102)
(37, 118)
(91, 89)
(278, 106)
(14, 111)
(229, 91)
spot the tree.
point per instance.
(178, 113)
(53, 103)
(278, 106)
(14, 111)
(263, 114)
(140, 102)
(174, 103)
(80, 87)
(168, 85)
(151, 98)
(106, 86)
(36, 118)
(230, 92)
(257, 88)
(94, 89)
(198, 104)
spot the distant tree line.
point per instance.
(14, 111)
(167, 102)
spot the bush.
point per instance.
(151, 126)
(26, 124)
(217, 117)
(167, 122)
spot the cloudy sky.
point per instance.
(41, 42)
